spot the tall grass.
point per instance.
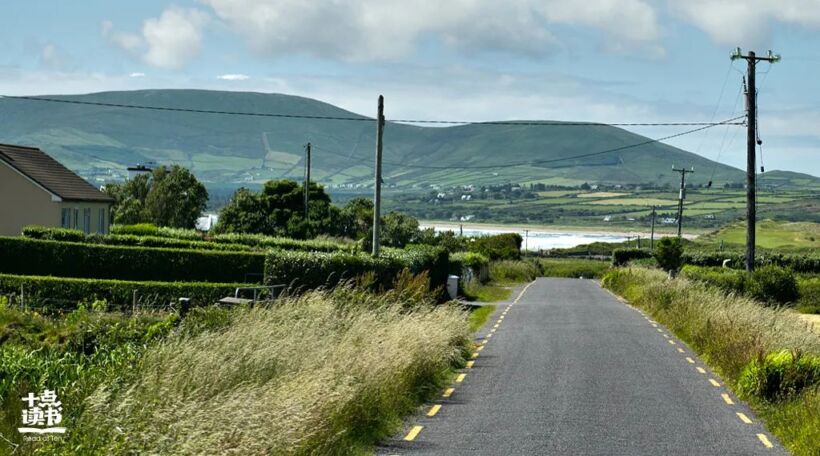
(573, 268)
(514, 271)
(737, 336)
(327, 372)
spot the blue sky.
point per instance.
(596, 60)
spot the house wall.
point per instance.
(22, 202)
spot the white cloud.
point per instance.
(169, 41)
(233, 77)
(746, 23)
(363, 30)
(136, 75)
(54, 58)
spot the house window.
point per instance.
(65, 218)
(87, 220)
(76, 219)
(101, 219)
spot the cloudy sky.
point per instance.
(591, 60)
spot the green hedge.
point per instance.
(62, 234)
(473, 261)
(797, 263)
(71, 259)
(317, 269)
(53, 234)
(506, 246)
(262, 241)
(40, 290)
(769, 283)
(621, 257)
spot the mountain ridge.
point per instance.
(233, 150)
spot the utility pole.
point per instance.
(307, 178)
(682, 194)
(526, 240)
(652, 235)
(751, 143)
(377, 192)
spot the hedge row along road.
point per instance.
(569, 369)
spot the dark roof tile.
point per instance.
(49, 173)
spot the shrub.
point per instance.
(773, 284)
(70, 259)
(139, 229)
(621, 257)
(809, 288)
(801, 263)
(263, 241)
(506, 246)
(728, 280)
(52, 292)
(53, 234)
(779, 375)
(669, 254)
(514, 271)
(318, 269)
(472, 264)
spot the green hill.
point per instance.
(225, 150)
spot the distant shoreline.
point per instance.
(594, 230)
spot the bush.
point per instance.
(49, 291)
(506, 246)
(139, 229)
(773, 284)
(728, 280)
(620, 257)
(779, 375)
(809, 288)
(474, 265)
(264, 241)
(53, 234)
(70, 259)
(325, 269)
(669, 254)
(801, 263)
(514, 271)
(573, 268)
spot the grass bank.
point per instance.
(573, 268)
(328, 372)
(766, 355)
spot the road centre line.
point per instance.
(744, 418)
(765, 440)
(714, 382)
(701, 370)
(727, 399)
(414, 432)
(460, 378)
(434, 409)
(448, 392)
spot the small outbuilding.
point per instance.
(36, 189)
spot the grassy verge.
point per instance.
(574, 268)
(743, 341)
(328, 372)
(479, 316)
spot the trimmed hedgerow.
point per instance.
(118, 293)
(505, 246)
(473, 264)
(621, 257)
(72, 259)
(138, 229)
(768, 284)
(53, 234)
(797, 263)
(263, 241)
(326, 269)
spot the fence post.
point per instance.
(184, 306)
(133, 302)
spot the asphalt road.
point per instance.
(572, 370)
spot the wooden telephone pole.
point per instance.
(681, 195)
(751, 143)
(307, 178)
(377, 192)
(652, 235)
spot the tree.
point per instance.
(399, 229)
(176, 198)
(244, 213)
(357, 218)
(669, 254)
(166, 197)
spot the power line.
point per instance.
(573, 157)
(362, 119)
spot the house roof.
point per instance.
(50, 174)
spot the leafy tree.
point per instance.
(357, 218)
(244, 213)
(166, 197)
(669, 254)
(399, 229)
(176, 198)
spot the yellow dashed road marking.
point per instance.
(660, 330)
(744, 418)
(765, 440)
(654, 325)
(672, 342)
(470, 364)
(701, 370)
(484, 341)
(434, 409)
(489, 335)
(666, 335)
(496, 326)
(680, 350)
(475, 355)
(691, 361)
(727, 399)
(460, 378)
(714, 382)
(480, 347)
(414, 431)
(448, 392)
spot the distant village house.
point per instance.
(36, 189)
